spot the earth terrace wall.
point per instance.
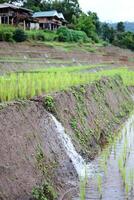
(31, 153)
(92, 113)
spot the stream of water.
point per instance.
(76, 158)
(111, 175)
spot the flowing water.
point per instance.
(111, 175)
(76, 158)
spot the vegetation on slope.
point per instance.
(27, 85)
(80, 25)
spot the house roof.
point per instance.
(52, 13)
(8, 5)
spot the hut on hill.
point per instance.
(15, 15)
(49, 20)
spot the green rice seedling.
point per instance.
(103, 166)
(120, 164)
(99, 184)
(127, 190)
(131, 178)
(125, 151)
(104, 161)
(27, 85)
(114, 146)
(82, 189)
(122, 169)
(124, 176)
(83, 183)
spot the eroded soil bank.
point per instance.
(31, 152)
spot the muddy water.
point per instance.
(111, 175)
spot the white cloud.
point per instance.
(110, 10)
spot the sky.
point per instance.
(110, 10)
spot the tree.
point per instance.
(96, 22)
(86, 23)
(4, 1)
(34, 5)
(67, 7)
(120, 27)
(108, 33)
(125, 40)
(70, 8)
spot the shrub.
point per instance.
(64, 34)
(6, 33)
(79, 36)
(69, 35)
(44, 192)
(8, 36)
(124, 40)
(19, 35)
(49, 103)
(31, 35)
(40, 36)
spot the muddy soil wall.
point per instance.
(92, 113)
(30, 151)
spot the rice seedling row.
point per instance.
(27, 85)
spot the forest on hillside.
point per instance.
(88, 24)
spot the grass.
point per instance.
(69, 46)
(41, 35)
(27, 85)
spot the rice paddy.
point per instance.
(114, 176)
(29, 84)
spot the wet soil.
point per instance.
(112, 185)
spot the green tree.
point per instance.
(96, 22)
(4, 1)
(125, 40)
(34, 5)
(120, 27)
(70, 8)
(86, 23)
(67, 7)
(108, 33)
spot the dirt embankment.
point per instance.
(30, 150)
(27, 56)
(92, 113)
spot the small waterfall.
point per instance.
(78, 162)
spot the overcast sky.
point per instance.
(110, 10)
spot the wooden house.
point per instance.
(15, 15)
(49, 20)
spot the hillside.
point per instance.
(60, 104)
(129, 26)
(35, 56)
